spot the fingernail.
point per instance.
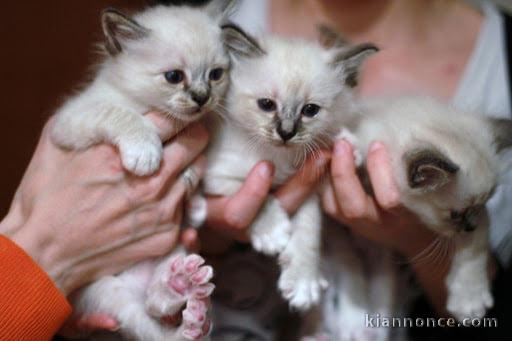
(266, 170)
(376, 146)
(341, 148)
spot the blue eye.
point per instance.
(267, 105)
(216, 74)
(310, 110)
(174, 76)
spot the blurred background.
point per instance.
(46, 54)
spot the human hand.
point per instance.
(380, 218)
(230, 217)
(81, 216)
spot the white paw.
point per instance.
(141, 156)
(469, 302)
(271, 240)
(185, 284)
(196, 212)
(346, 135)
(302, 292)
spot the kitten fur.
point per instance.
(446, 164)
(132, 80)
(287, 75)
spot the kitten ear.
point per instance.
(429, 170)
(328, 37)
(239, 43)
(502, 130)
(221, 9)
(118, 28)
(350, 59)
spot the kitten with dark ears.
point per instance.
(446, 164)
(173, 60)
(286, 100)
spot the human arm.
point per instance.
(80, 216)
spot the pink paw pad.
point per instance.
(190, 279)
(196, 322)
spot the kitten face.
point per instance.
(170, 58)
(451, 178)
(288, 93)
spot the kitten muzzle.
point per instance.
(287, 129)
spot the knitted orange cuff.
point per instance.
(31, 307)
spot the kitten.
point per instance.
(285, 102)
(170, 59)
(446, 164)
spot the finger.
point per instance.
(97, 322)
(179, 153)
(243, 207)
(329, 203)
(293, 193)
(190, 239)
(381, 176)
(352, 200)
(167, 126)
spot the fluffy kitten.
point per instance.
(170, 59)
(284, 103)
(446, 164)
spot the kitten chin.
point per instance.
(172, 59)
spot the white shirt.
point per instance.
(484, 88)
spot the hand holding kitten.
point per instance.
(104, 213)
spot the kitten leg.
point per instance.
(182, 281)
(196, 211)
(469, 294)
(382, 288)
(122, 297)
(79, 127)
(270, 231)
(301, 281)
(348, 302)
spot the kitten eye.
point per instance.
(310, 110)
(456, 215)
(174, 76)
(267, 105)
(216, 74)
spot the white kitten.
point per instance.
(170, 59)
(282, 106)
(446, 164)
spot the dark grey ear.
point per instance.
(118, 28)
(221, 9)
(239, 43)
(502, 130)
(429, 170)
(329, 37)
(350, 59)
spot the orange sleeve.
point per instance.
(31, 307)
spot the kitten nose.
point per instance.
(199, 98)
(286, 135)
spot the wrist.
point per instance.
(40, 248)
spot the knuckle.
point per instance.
(354, 211)
(390, 203)
(234, 220)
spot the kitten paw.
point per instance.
(186, 283)
(300, 291)
(196, 212)
(141, 156)
(346, 135)
(273, 240)
(196, 322)
(471, 303)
